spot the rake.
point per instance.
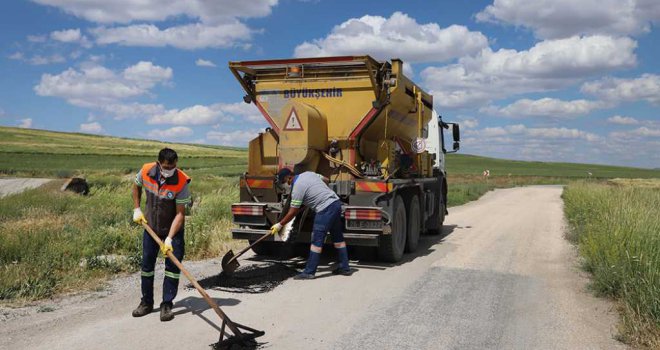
(240, 334)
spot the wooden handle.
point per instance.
(192, 280)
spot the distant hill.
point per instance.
(470, 164)
(29, 152)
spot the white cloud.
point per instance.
(71, 36)
(542, 144)
(548, 65)
(194, 115)
(205, 23)
(127, 11)
(533, 133)
(36, 38)
(209, 115)
(546, 107)
(91, 128)
(123, 111)
(187, 36)
(233, 138)
(25, 123)
(640, 132)
(398, 36)
(469, 123)
(145, 74)
(565, 18)
(242, 111)
(204, 63)
(16, 56)
(621, 120)
(176, 132)
(66, 36)
(39, 60)
(646, 87)
(95, 86)
(408, 70)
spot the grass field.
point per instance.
(53, 242)
(617, 229)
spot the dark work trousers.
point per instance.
(171, 281)
(327, 220)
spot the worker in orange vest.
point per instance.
(168, 195)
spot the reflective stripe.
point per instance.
(340, 245)
(315, 249)
(147, 274)
(172, 275)
(183, 201)
(151, 187)
(295, 202)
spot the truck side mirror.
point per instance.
(456, 133)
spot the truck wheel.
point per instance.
(390, 247)
(414, 225)
(263, 248)
(440, 217)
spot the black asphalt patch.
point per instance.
(251, 279)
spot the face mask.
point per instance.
(167, 173)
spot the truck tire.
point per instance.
(263, 248)
(440, 214)
(414, 224)
(391, 247)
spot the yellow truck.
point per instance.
(359, 122)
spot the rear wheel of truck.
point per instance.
(263, 248)
(391, 247)
(414, 224)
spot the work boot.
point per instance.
(344, 272)
(303, 276)
(143, 309)
(166, 312)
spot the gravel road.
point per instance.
(501, 277)
(10, 186)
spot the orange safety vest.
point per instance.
(161, 198)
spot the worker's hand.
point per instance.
(167, 246)
(138, 217)
(275, 228)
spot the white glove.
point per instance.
(275, 228)
(138, 217)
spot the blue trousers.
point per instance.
(171, 281)
(327, 220)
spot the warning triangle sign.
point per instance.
(293, 122)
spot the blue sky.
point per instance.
(550, 80)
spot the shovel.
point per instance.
(230, 262)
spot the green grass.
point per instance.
(475, 165)
(53, 242)
(617, 230)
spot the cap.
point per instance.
(282, 174)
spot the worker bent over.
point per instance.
(311, 189)
(167, 196)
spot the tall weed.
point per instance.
(617, 230)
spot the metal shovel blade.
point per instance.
(229, 264)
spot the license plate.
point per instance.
(364, 224)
